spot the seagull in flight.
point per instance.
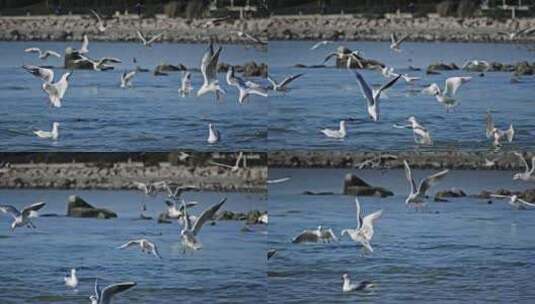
(395, 42)
(47, 75)
(515, 201)
(57, 90)
(315, 236)
(85, 44)
(149, 42)
(21, 219)
(42, 55)
(339, 134)
(421, 134)
(283, 85)
(54, 134)
(250, 38)
(372, 96)
(347, 286)
(364, 232)
(245, 88)
(101, 64)
(527, 175)
(417, 196)
(209, 73)
(321, 43)
(446, 97)
(175, 212)
(145, 245)
(176, 193)
(190, 230)
(241, 157)
(497, 134)
(106, 295)
(185, 85)
(126, 78)
(515, 34)
(100, 24)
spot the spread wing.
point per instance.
(523, 160)
(206, 215)
(329, 56)
(52, 53)
(140, 35)
(33, 207)
(127, 76)
(154, 38)
(367, 223)
(386, 86)
(408, 175)
(429, 181)
(10, 210)
(525, 202)
(364, 87)
(130, 244)
(45, 74)
(454, 83)
(96, 16)
(33, 50)
(85, 44)
(359, 216)
(289, 79)
(109, 292)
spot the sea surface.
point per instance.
(462, 251)
(324, 96)
(97, 115)
(230, 268)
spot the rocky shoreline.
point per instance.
(291, 27)
(389, 160)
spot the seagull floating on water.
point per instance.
(347, 286)
(527, 175)
(149, 42)
(245, 88)
(126, 78)
(71, 280)
(190, 230)
(209, 73)
(283, 85)
(515, 201)
(496, 134)
(213, 134)
(421, 134)
(106, 295)
(21, 219)
(315, 236)
(42, 55)
(364, 231)
(54, 134)
(372, 96)
(185, 85)
(340, 133)
(145, 245)
(85, 44)
(417, 196)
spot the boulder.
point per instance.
(441, 67)
(523, 68)
(354, 185)
(77, 207)
(164, 67)
(71, 56)
(453, 192)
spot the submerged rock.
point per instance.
(451, 193)
(252, 217)
(441, 67)
(77, 207)
(354, 185)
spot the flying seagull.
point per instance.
(315, 236)
(245, 88)
(100, 24)
(515, 34)
(417, 196)
(85, 44)
(21, 219)
(321, 43)
(395, 42)
(209, 73)
(515, 201)
(421, 134)
(527, 175)
(57, 90)
(185, 85)
(149, 42)
(47, 75)
(497, 134)
(446, 97)
(106, 295)
(42, 55)
(126, 78)
(145, 245)
(175, 212)
(283, 85)
(372, 96)
(363, 233)
(241, 157)
(190, 230)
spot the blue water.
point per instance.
(463, 251)
(323, 97)
(97, 115)
(229, 269)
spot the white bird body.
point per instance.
(85, 44)
(185, 85)
(421, 134)
(56, 91)
(417, 196)
(145, 245)
(209, 73)
(340, 133)
(47, 75)
(21, 219)
(347, 286)
(245, 88)
(446, 96)
(190, 230)
(54, 134)
(372, 96)
(126, 78)
(71, 280)
(363, 233)
(42, 55)
(213, 134)
(497, 135)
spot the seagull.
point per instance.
(271, 253)
(216, 21)
(190, 230)
(54, 134)
(42, 55)
(101, 64)
(387, 72)
(278, 180)
(490, 162)
(236, 166)
(71, 280)
(340, 133)
(185, 87)
(126, 78)
(145, 245)
(421, 134)
(101, 27)
(57, 90)
(245, 88)
(177, 192)
(251, 38)
(106, 295)
(409, 79)
(209, 73)
(314, 236)
(283, 85)
(417, 195)
(21, 219)
(213, 134)
(47, 75)
(151, 189)
(349, 287)
(372, 95)
(263, 219)
(515, 201)
(343, 53)
(85, 44)
(363, 233)
(496, 134)
(395, 42)
(476, 64)
(321, 43)
(517, 33)
(527, 175)
(175, 212)
(148, 43)
(451, 86)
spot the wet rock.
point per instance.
(442, 67)
(164, 67)
(451, 193)
(249, 69)
(523, 68)
(317, 193)
(69, 58)
(77, 207)
(354, 185)
(252, 217)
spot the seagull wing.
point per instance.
(10, 210)
(289, 79)
(33, 50)
(453, 84)
(52, 53)
(127, 76)
(62, 84)
(429, 181)
(154, 38)
(367, 224)
(403, 38)
(365, 88)
(110, 60)
(96, 16)
(499, 196)
(408, 175)
(110, 291)
(85, 44)
(33, 207)
(393, 38)
(386, 86)
(525, 202)
(329, 56)
(140, 35)
(359, 217)
(130, 244)
(45, 74)
(206, 215)
(523, 160)
(98, 291)
(489, 125)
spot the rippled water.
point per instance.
(229, 269)
(323, 97)
(464, 251)
(97, 115)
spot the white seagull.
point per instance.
(515, 201)
(175, 212)
(145, 245)
(340, 133)
(21, 219)
(209, 73)
(515, 34)
(106, 295)
(54, 134)
(185, 86)
(372, 96)
(283, 85)
(57, 90)
(71, 280)
(47, 75)
(85, 44)
(347, 286)
(421, 134)
(446, 97)
(126, 78)
(395, 42)
(241, 157)
(245, 88)
(527, 175)
(497, 134)
(417, 196)
(148, 43)
(101, 64)
(190, 230)
(176, 193)
(213, 134)
(42, 55)
(314, 236)
(251, 38)
(100, 26)
(364, 232)
(321, 43)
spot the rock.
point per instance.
(523, 68)
(70, 56)
(453, 192)
(353, 185)
(249, 69)
(164, 67)
(77, 207)
(442, 67)
(317, 193)
(251, 217)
